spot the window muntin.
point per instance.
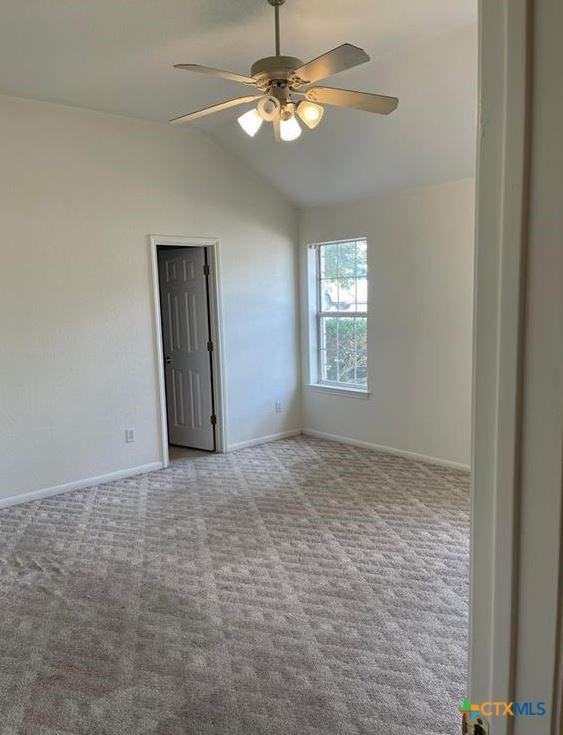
(342, 294)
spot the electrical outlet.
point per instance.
(129, 435)
(278, 407)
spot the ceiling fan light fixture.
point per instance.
(289, 129)
(251, 122)
(276, 78)
(310, 113)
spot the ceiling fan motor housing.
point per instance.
(276, 69)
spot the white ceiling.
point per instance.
(117, 56)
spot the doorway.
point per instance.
(188, 341)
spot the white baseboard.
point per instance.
(143, 469)
(47, 492)
(388, 450)
(263, 440)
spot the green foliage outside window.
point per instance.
(345, 341)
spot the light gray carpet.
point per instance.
(301, 587)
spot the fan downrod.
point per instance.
(276, 5)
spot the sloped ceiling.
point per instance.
(117, 57)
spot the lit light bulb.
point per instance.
(310, 113)
(250, 122)
(290, 129)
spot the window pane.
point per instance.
(329, 294)
(346, 259)
(361, 351)
(329, 261)
(346, 349)
(329, 344)
(361, 259)
(343, 276)
(346, 294)
(362, 294)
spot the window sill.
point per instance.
(337, 390)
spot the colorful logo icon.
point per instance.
(471, 710)
(502, 709)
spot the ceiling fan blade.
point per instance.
(210, 71)
(340, 58)
(215, 108)
(357, 100)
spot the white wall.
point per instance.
(420, 257)
(80, 192)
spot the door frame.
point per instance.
(503, 429)
(211, 246)
(502, 183)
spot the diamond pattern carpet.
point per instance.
(301, 587)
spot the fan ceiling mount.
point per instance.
(280, 79)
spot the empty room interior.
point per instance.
(240, 371)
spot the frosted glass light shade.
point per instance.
(268, 108)
(310, 113)
(250, 122)
(290, 129)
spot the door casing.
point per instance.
(215, 319)
(508, 338)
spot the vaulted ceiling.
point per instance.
(117, 57)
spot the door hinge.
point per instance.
(206, 270)
(213, 420)
(210, 346)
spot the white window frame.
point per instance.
(316, 314)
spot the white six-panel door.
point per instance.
(185, 338)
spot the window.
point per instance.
(342, 294)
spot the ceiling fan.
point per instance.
(280, 79)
